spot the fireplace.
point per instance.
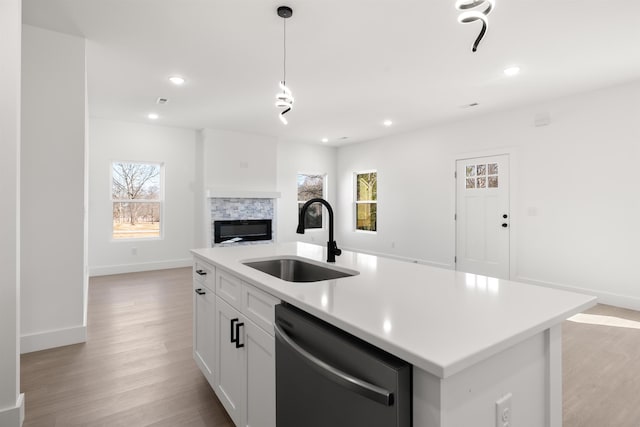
(248, 230)
(241, 218)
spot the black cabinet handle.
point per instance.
(238, 345)
(201, 272)
(505, 216)
(234, 330)
(504, 225)
(199, 291)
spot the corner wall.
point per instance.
(574, 188)
(53, 189)
(11, 401)
(111, 141)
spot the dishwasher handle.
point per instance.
(357, 385)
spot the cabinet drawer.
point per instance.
(204, 274)
(229, 288)
(259, 306)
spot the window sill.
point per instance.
(365, 231)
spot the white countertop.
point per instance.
(441, 321)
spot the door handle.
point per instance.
(505, 225)
(199, 291)
(357, 385)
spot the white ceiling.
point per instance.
(351, 63)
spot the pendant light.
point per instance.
(475, 10)
(284, 99)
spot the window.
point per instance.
(366, 201)
(311, 186)
(482, 176)
(136, 194)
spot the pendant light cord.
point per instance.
(284, 42)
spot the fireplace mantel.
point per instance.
(241, 194)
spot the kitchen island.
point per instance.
(472, 340)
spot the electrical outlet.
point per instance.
(134, 251)
(503, 411)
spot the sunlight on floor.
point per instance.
(596, 319)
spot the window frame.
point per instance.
(324, 176)
(160, 201)
(356, 202)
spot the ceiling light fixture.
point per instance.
(284, 99)
(177, 80)
(325, 140)
(153, 116)
(475, 10)
(512, 71)
(387, 123)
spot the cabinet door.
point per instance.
(204, 317)
(230, 373)
(261, 377)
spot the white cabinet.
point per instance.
(230, 376)
(261, 377)
(245, 368)
(204, 319)
(234, 344)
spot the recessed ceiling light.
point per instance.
(512, 71)
(153, 116)
(177, 80)
(325, 140)
(387, 123)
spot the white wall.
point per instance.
(296, 158)
(11, 402)
(111, 141)
(53, 189)
(574, 191)
(239, 161)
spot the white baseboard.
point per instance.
(52, 339)
(623, 301)
(13, 416)
(401, 258)
(107, 270)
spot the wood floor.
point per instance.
(136, 368)
(601, 365)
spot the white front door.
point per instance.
(482, 216)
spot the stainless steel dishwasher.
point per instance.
(328, 378)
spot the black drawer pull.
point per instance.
(199, 291)
(233, 330)
(201, 272)
(238, 345)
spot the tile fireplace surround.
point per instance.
(240, 208)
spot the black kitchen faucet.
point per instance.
(332, 246)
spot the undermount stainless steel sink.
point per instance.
(296, 270)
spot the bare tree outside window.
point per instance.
(137, 200)
(311, 186)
